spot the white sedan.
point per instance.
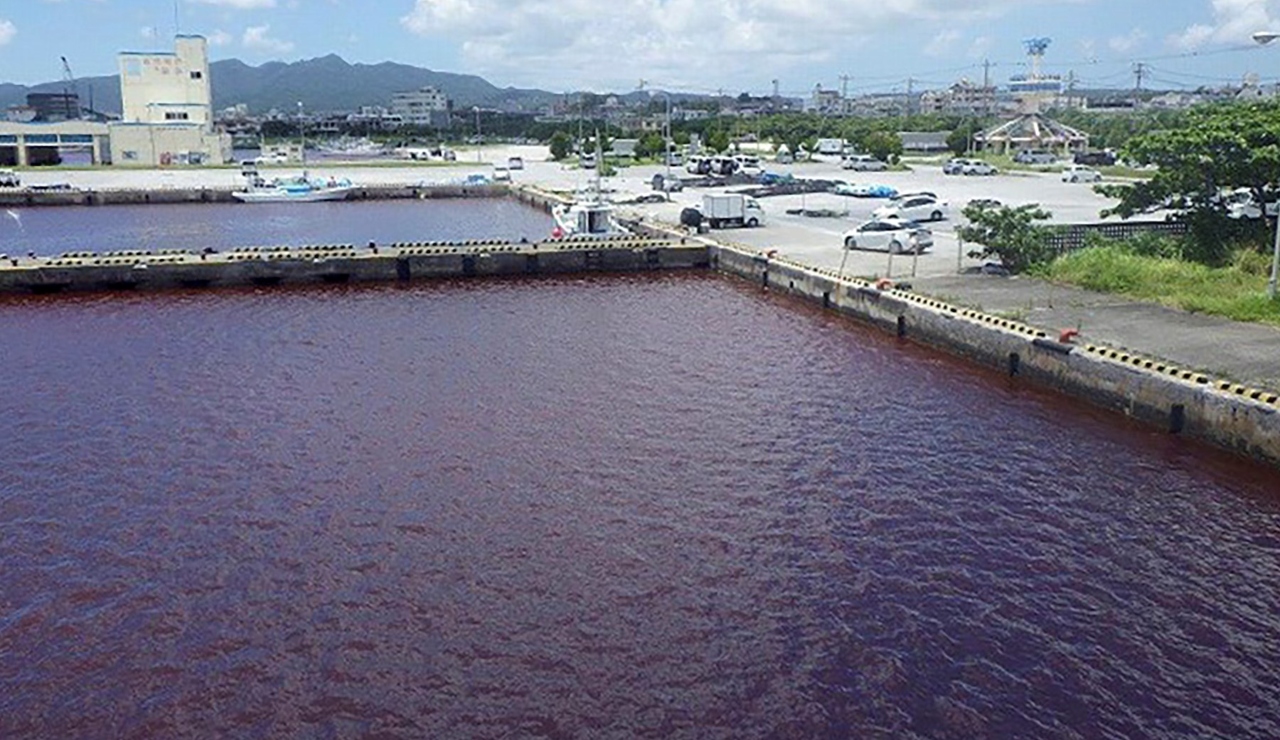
(1080, 173)
(889, 235)
(919, 208)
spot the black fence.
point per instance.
(1070, 237)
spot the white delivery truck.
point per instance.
(731, 209)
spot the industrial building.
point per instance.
(168, 109)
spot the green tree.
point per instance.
(651, 145)
(718, 141)
(960, 137)
(1009, 234)
(561, 143)
(883, 145)
(1217, 148)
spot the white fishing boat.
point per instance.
(589, 215)
(293, 190)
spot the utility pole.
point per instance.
(844, 87)
(911, 81)
(986, 73)
(1139, 71)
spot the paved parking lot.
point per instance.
(818, 240)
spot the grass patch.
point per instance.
(1237, 291)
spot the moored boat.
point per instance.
(294, 190)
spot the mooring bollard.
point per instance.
(373, 247)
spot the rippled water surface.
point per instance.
(55, 230)
(605, 508)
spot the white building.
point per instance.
(425, 107)
(168, 108)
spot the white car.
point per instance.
(978, 167)
(863, 163)
(889, 235)
(1080, 173)
(918, 208)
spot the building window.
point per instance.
(130, 155)
(176, 116)
(197, 75)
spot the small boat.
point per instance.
(589, 215)
(586, 218)
(293, 190)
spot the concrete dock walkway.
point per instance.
(1242, 352)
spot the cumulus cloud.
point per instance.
(238, 4)
(942, 44)
(260, 39)
(1234, 21)
(7, 31)
(676, 41)
(220, 38)
(1127, 42)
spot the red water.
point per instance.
(615, 507)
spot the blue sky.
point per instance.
(689, 45)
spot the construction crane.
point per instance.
(69, 91)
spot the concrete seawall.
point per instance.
(24, 197)
(1178, 400)
(344, 263)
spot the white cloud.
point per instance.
(220, 38)
(238, 4)
(259, 38)
(1234, 21)
(7, 31)
(676, 42)
(1128, 42)
(942, 44)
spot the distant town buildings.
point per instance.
(423, 107)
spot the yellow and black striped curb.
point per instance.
(1131, 359)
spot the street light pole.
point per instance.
(477, 110)
(1262, 38)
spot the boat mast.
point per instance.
(302, 129)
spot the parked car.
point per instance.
(9, 179)
(914, 194)
(920, 208)
(871, 191)
(1095, 159)
(667, 183)
(1080, 173)
(978, 167)
(863, 163)
(1241, 204)
(1035, 156)
(698, 165)
(515, 163)
(587, 161)
(953, 166)
(984, 203)
(893, 235)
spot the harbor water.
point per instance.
(50, 231)
(611, 507)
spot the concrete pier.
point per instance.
(36, 197)
(88, 271)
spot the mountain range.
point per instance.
(327, 83)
